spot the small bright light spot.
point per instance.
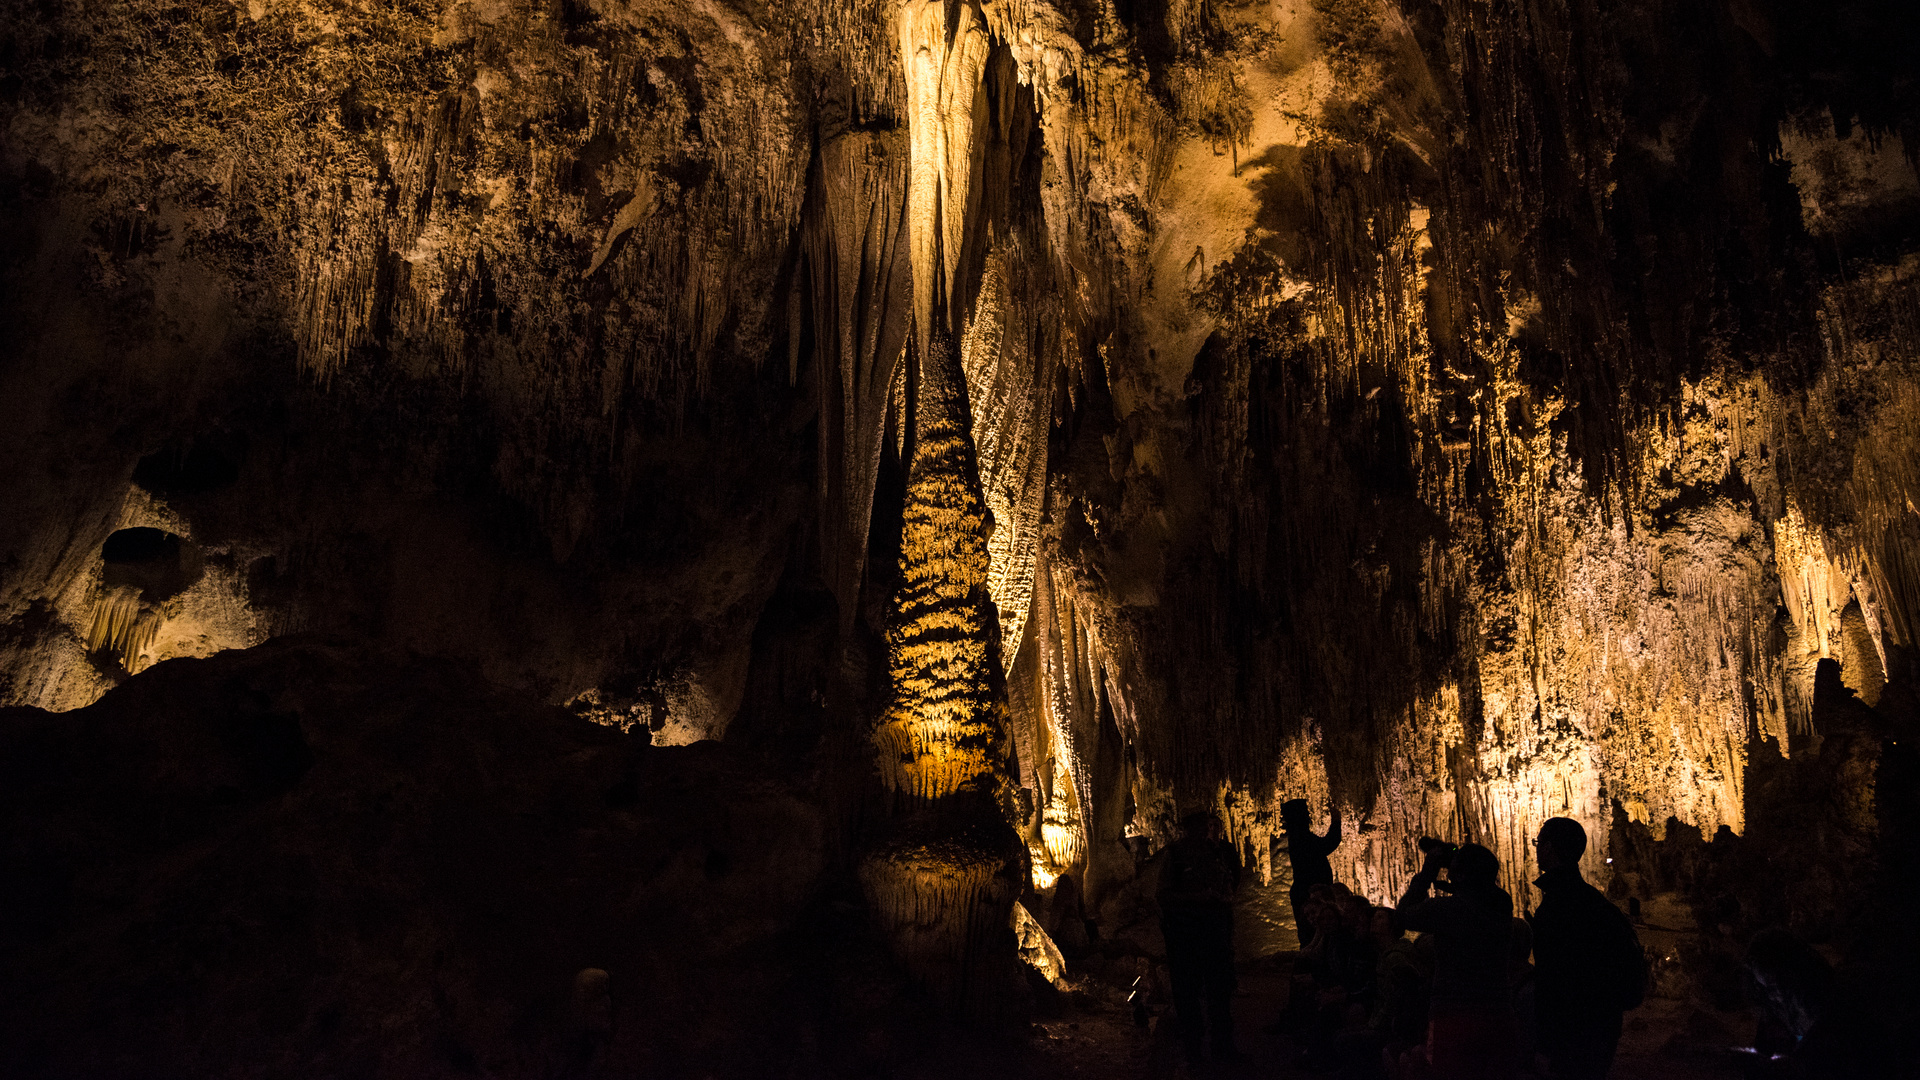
(1609, 862)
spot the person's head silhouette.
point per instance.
(1561, 842)
(1474, 867)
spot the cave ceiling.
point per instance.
(1463, 413)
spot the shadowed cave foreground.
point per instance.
(650, 538)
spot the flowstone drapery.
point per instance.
(859, 272)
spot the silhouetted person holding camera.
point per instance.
(1307, 853)
(1588, 964)
(1196, 915)
(1470, 1026)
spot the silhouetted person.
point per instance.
(1588, 964)
(1326, 960)
(1307, 853)
(1340, 971)
(1526, 1028)
(1196, 915)
(1470, 1025)
(1396, 1016)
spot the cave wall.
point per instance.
(1460, 413)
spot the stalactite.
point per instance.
(1012, 402)
(123, 624)
(1520, 417)
(1585, 615)
(857, 244)
(1062, 834)
(1065, 702)
(1038, 949)
(1816, 589)
(943, 72)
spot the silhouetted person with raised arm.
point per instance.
(1470, 1025)
(1588, 964)
(1307, 853)
(1197, 883)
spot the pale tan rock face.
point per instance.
(1459, 419)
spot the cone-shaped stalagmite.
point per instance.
(943, 881)
(944, 732)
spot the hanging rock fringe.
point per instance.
(855, 236)
(121, 624)
(1011, 405)
(945, 902)
(1037, 948)
(943, 87)
(1060, 825)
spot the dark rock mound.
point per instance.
(310, 859)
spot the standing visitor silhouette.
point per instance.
(1307, 853)
(1196, 915)
(1470, 1018)
(1588, 964)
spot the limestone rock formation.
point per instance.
(944, 879)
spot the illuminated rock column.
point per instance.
(944, 732)
(944, 879)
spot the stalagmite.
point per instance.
(1459, 414)
(945, 730)
(944, 878)
(943, 887)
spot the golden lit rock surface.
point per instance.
(944, 732)
(944, 881)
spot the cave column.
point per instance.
(944, 877)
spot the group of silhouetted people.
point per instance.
(1461, 1000)
(1478, 993)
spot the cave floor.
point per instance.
(1098, 1039)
